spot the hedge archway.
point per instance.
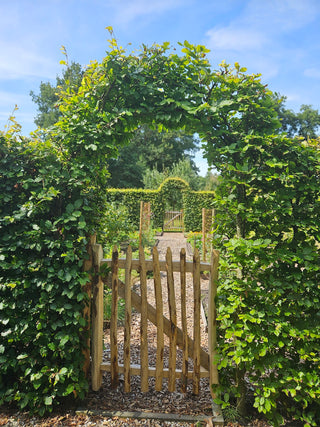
(154, 87)
(171, 192)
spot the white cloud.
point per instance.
(277, 16)
(312, 72)
(263, 23)
(13, 98)
(18, 61)
(235, 39)
(259, 37)
(127, 11)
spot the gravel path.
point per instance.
(176, 241)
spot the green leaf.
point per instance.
(48, 400)
(64, 340)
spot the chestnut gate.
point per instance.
(173, 221)
(203, 361)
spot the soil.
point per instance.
(181, 409)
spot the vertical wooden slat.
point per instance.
(212, 326)
(149, 215)
(144, 323)
(97, 320)
(141, 223)
(185, 355)
(127, 326)
(196, 322)
(159, 317)
(173, 323)
(114, 320)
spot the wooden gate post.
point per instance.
(97, 320)
(204, 249)
(212, 321)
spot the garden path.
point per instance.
(176, 241)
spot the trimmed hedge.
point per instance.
(43, 224)
(193, 202)
(175, 189)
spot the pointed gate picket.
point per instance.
(204, 363)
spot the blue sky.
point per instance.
(278, 38)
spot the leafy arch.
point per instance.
(124, 91)
(171, 192)
(234, 114)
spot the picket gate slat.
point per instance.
(159, 319)
(173, 321)
(196, 321)
(185, 352)
(97, 321)
(114, 321)
(212, 320)
(144, 323)
(127, 325)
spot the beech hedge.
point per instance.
(43, 227)
(192, 202)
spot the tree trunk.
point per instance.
(242, 388)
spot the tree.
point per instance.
(308, 122)
(209, 182)
(305, 123)
(152, 179)
(153, 150)
(48, 98)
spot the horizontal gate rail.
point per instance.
(135, 265)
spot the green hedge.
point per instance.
(192, 202)
(43, 218)
(132, 197)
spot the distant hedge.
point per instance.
(192, 202)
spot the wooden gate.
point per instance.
(203, 361)
(173, 221)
